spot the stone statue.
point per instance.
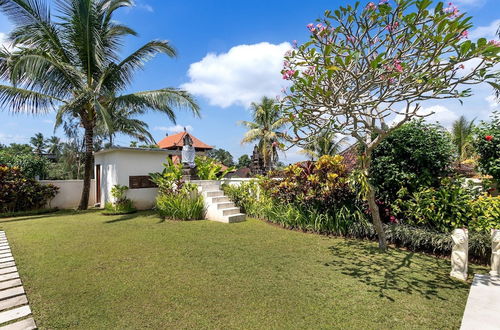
(495, 252)
(188, 151)
(188, 154)
(459, 254)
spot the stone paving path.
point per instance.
(15, 313)
(483, 305)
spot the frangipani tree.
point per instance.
(367, 69)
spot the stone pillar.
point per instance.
(495, 252)
(189, 173)
(459, 254)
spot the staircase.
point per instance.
(219, 207)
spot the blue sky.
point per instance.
(229, 55)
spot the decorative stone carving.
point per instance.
(459, 254)
(495, 252)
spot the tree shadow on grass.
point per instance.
(55, 214)
(395, 271)
(130, 216)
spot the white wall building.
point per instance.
(129, 167)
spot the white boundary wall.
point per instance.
(69, 193)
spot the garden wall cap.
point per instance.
(117, 149)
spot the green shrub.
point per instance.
(487, 145)
(415, 155)
(209, 169)
(452, 205)
(485, 213)
(121, 204)
(183, 204)
(21, 193)
(30, 164)
(248, 196)
(442, 209)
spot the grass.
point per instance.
(86, 270)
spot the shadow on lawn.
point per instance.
(55, 214)
(394, 271)
(130, 216)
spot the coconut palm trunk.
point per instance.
(88, 163)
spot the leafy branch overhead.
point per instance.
(365, 68)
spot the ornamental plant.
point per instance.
(416, 155)
(487, 145)
(322, 185)
(367, 69)
(121, 204)
(19, 192)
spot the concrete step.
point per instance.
(239, 217)
(224, 205)
(231, 211)
(214, 193)
(220, 199)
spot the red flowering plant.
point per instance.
(487, 145)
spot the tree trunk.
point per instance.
(87, 174)
(372, 204)
(377, 222)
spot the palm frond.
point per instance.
(26, 101)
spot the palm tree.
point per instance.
(461, 132)
(71, 63)
(125, 124)
(54, 145)
(266, 129)
(38, 142)
(326, 143)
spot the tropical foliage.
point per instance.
(181, 202)
(323, 185)
(70, 61)
(462, 133)
(32, 165)
(367, 64)
(325, 143)
(487, 144)
(267, 129)
(19, 192)
(209, 169)
(415, 155)
(222, 156)
(121, 204)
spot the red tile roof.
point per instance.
(176, 141)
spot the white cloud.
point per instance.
(488, 31)
(492, 101)
(174, 129)
(4, 42)
(144, 6)
(239, 77)
(12, 138)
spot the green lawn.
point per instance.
(92, 271)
